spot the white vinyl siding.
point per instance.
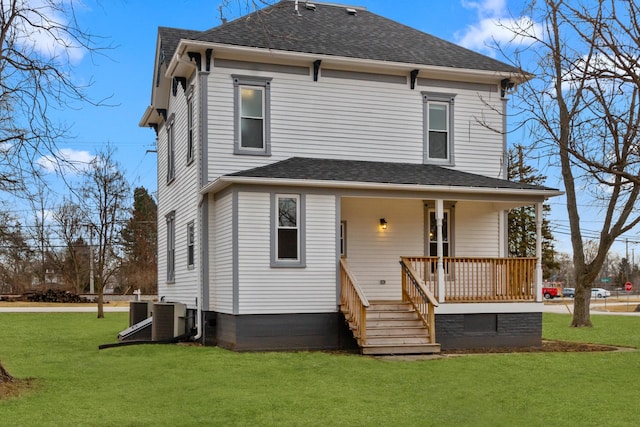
(373, 253)
(221, 241)
(264, 289)
(182, 197)
(352, 119)
(477, 230)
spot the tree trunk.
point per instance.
(4, 375)
(100, 300)
(581, 305)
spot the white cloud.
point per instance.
(40, 30)
(496, 27)
(487, 7)
(66, 160)
(490, 32)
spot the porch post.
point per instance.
(439, 250)
(538, 275)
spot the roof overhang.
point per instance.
(506, 195)
(226, 51)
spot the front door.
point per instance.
(432, 233)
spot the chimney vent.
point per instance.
(310, 6)
(351, 11)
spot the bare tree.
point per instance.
(73, 260)
(16, 257)
(585, 109)
(40, 41)
(234, 8)
(105, 192)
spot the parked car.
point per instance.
(550, 292)
(600, 293)
(569, 292)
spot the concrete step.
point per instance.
(403, 349)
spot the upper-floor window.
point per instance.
(252, 115)
(190, 126)
(171, 162)
(438, 127)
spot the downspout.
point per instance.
(203, 173)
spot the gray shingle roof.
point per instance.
(169, 39)
(330, 30)
(299, 168)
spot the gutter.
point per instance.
(225, 181)
(302, 58)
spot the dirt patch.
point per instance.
(16, 387)
(547, 347)
(11, 386)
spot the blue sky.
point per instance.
(125, 73)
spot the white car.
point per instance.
(600, 293)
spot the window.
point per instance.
(288, 239)
(438, 125)
(171, 247)
(252, 115)
(190, 125)
(171, 164)
(191, 245)
(343, 238)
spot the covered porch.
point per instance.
(411, 244)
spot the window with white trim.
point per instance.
(190, 126)
(191, 244)
(252, 115)
(171, 246)
(343, 238)
(171, 162)
(438, 128)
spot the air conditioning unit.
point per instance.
(168, 321)
(139, 311)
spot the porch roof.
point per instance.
(299, 171)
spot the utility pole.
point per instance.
(626, 242)
(91, 278)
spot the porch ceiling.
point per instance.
(352, 174)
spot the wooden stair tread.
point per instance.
(394, 327)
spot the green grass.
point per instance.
(189, 385)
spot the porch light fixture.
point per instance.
(383, 223)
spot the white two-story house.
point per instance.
(325, 174)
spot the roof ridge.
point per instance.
(326, 3)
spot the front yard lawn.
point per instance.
(75, 384)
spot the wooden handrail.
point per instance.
(419, 283)
(420, 298)
(353, 302)
(353, 280)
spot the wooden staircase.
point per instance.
(394, 327)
